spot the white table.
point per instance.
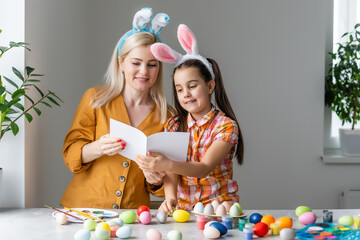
(38, 224)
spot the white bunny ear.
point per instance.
(164, 53)
(160, 20)
(141, 18)
(187, 39)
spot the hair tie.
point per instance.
(188, 42)
(141, 18)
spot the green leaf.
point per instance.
(3, 49)
(29, 98)
(41, 93)
(53, 101)
(11, 82)
(37, 75)
(46, 104)
(3, 107)
(19, 106)
(344, 34)
(12, 102)
(18, 73)
(28, 117)
(14, 128)
(29, 70)
(37, 111)
(33, 80)
(357, 25)
(18, 93)
(52, 93)
(2, 90)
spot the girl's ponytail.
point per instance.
(224, 105)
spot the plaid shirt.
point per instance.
(218, 185)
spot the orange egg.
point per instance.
(268, 219)
(284, 222)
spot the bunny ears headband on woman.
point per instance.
(188, 42)
(141, 18)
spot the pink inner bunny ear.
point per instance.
(164, 53)
(187, 39)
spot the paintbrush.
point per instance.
(84, 214)
(65, 213)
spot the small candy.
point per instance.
(61, 218)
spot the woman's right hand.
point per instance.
(110, 145)
(167, 206)
(105, 145)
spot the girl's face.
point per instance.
(140, 68)
(193, 93)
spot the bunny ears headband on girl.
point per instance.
(188, 42)
(141, 18)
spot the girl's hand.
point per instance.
(153, 162)
(167, 206)
(110, 145)
(155, 178)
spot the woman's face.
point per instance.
(140, 68)
(193, 93)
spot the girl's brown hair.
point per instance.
(221, 100)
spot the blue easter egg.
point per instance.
(255, 218)
(219, 226)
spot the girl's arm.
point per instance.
(158, 162)
(170, 189)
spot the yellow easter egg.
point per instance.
(284, 222)
(103, 225)
(181, 216)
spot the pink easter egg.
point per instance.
(307, 218)
(145, 217)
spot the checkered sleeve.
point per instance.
(227, 131)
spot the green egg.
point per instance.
(102, 234)
(90, 224)
(302, 209)
(346, 220)
(174, 235)
(239, 206)
(128, 216)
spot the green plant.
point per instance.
(11, 108)
(342, 84)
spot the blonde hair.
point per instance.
(114, 78)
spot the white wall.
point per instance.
(12, 148)
(272, 56)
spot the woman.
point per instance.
(133, 94)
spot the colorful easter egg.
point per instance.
(90, 224)
(239, 206)
(103, 225)
(153, 234)
(82, 234)
(141, 209)
(211, 232)
(346, 220)
(181, 216)
(227, 205)
(161, 217)
(255, 218)
(261, 229)
(268, 219)
(113, 230)
(234, 211)
(307, 218)
(102, 234)
(220, 210)
(174, 235)
(128, 216)
(284, 222)
(219, 226)
(145, 217)
(302, 209)
(124, 232)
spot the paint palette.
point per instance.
(324, 231)
(95, 212)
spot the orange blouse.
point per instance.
(109, 181)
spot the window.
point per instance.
(346, 15)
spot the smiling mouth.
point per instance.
(141, 79)
(190, 102)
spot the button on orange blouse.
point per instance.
(109, 181)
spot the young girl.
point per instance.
(214, 133)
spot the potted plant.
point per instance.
(11, 107)
(342, 90)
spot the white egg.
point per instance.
(61, 218)
(209, 209)
(211, 232)
(287, 234)
(153, 234)
(161, 217)
(227, 205)
(124, 232)
(215, 204)
(221, 210)
(199, 207)
(82, 234)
